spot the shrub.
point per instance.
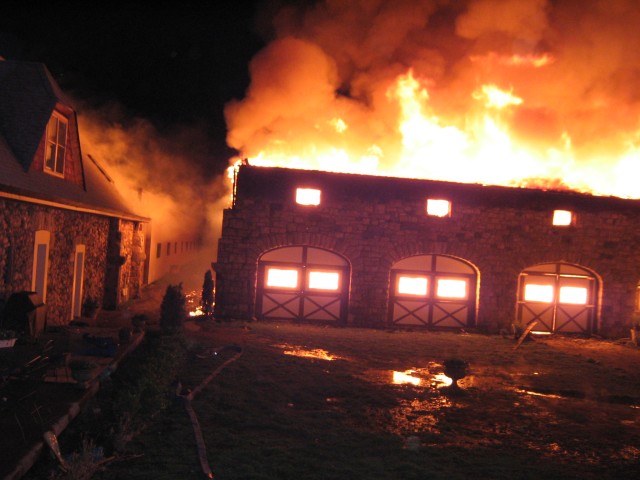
(207, 293)
(172, 309)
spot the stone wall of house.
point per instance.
(500, 240)
(125, 262)
(19, 223)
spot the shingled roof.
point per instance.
(28, 96)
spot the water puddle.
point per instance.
(315, 353)
(548, 393)
(431, 376)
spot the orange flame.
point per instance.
(484, 151)
(517, 95)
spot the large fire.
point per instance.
(505, 92)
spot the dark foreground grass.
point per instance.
(270, 415)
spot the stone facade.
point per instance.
(374, 222)
(19, 222)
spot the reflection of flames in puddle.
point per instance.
(417, 415)
(539, 394)
(316, 353)
(412, 377)
(418, 377)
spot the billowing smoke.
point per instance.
(160, 175)
(326, 89)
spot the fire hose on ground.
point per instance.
(202, 450)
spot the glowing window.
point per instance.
(451, 288)
(438, 208)
(307, 196)
(562, 218)
(324, 280)
(538, 293)
(282, 277)
(56, 145)
(412, 285)
(573, 295)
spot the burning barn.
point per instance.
(375, 251)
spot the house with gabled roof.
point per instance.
(65, 232)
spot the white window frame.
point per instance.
(40, 272)
(78, 280)
(56, 146)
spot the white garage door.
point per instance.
(560, 297)
(302, 283)
(433, 291)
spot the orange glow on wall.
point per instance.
(451, 288)
(538, 293)
(282, 277)
(324, 280)
(307, 196)
(412, 285)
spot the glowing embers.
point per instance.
(282, 277)
(562, 218)
(307, 196)
(412, 285)
(315, 353)
(193, 303)
(323, 280)
(438, 207)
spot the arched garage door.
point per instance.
(433, 291)
(302, 283)
(560, 297)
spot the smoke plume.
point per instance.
(326, 88)
(158, 174)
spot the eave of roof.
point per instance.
(269, 182)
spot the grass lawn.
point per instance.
(306, 402)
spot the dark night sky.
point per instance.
(174, 63)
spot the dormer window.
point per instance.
(56, 145)
(307, 196)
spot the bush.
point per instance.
(207, 293)
(172, 309)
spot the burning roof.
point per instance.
(502, 92)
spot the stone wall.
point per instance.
(125, 262)
(19, 222)
(497, 230)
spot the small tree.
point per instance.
(207, 293)
(172, 309)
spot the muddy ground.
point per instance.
(308, 402)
